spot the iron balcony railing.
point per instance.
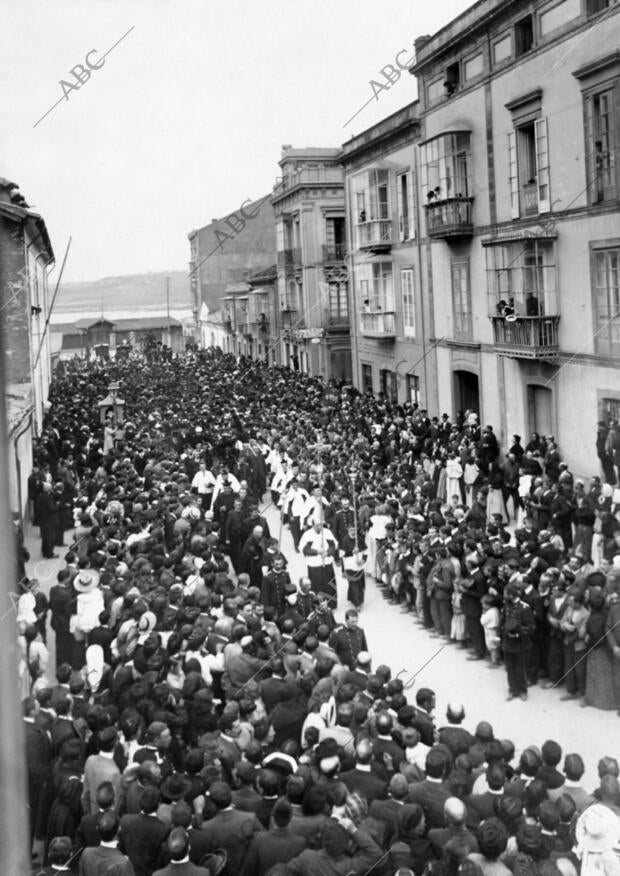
(450, 217)
(289, 257)
(375, 234)
(335, 253)
(527, 337)
(378, 325)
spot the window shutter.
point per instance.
(513, 175)
(400, 206)
(542, 165)
(590, 157)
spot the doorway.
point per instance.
(540, 410)
(466, 392)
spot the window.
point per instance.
(601, 145)
(388, 384)
(338, 305)
(435, 90)
(413, 389)
(607, 301)
(375, 287)
(366, 378)
(371, 190)
(558, 15)
(594, 6)
(461, 300)
(404, 195)
(291, 298)
(528, 169)
(502, 49)
(524, 35)
(371, 197)
(474, 66)
(609, 409)
(453, 78)
(446, 162)
(335, 238)
(408, 293)
(522, 277)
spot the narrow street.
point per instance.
(397, 640)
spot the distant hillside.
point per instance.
(142, 291)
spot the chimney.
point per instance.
(420, 42)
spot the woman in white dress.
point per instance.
(375, 537)
(470, 476)
(454, 473)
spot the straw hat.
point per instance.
(597, 829)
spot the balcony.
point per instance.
(260, 325)
(378, 325)
(527, 337)
(335, 320)
(450, 217)
(376, 235)
(309, 176)
(529, 199)
(289, 258)
(334, 254)
(244, 328)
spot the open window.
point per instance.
(524, 35)
(528, 163)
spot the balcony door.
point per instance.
(540, 410)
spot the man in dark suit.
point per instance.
(548, 772)
(178, 846)
(482, 806)
(387, 810)
(475, 587)
(38, 761)
(517, 627)
(386, 751)
(431, 794)
(455, 813)
(361, 778)
(268, 785)
(87, 832)
(228, 829)
(141, 835)
(106, 857)
(423, 718)
(245, 798)
(63, 677)
(453, 735)
(275, 689)
(59, 856)
(61, 605)
(275, 846)
(47, 512)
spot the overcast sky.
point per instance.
(186, 118)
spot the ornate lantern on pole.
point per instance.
(113, 405)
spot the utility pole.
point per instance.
(168, 309)
(14, 823)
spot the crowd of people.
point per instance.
(208, 714)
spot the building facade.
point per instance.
(312, 277)
(520, 190)
(229, 250)
(26, 256)
(389, 315)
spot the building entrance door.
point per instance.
(540, 410)
(466, 392)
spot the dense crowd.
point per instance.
(208, 713)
